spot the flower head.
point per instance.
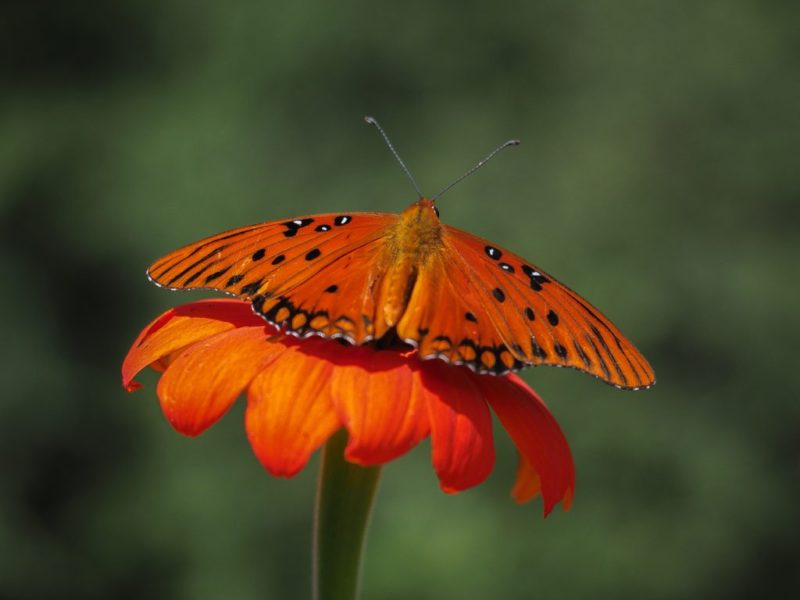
(300, 392)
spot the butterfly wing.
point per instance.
(468, 302)
(504, 313)
(311, 275)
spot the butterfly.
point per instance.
(372, 277)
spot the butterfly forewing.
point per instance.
(309, 274)
(511, 314)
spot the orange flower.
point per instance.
(300, 392)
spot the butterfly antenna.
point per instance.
(372, 121)
(476, 167)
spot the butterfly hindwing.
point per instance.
(336, 301)
(448, 317)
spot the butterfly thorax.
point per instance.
(416, 235)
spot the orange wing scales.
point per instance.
(338, 305)
(449, 293)
(295, 272)
(514, 315)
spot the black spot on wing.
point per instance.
(258, 303)
(234, 280)
(536, 278)
(493, 252)
(298, 223)
(217, 274)
(313, 254)
(278, 259)
(252, 288)
(537, 350)
(259, 254)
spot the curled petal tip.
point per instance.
(132, 386)
(566, 502)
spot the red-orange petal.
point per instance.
(535, 433)
(182, 326)
(380, 399)
(461, 426)
(290, 412)
(527, 484)
(204, 381)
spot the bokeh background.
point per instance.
(658, 176)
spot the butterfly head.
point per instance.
(428, 206)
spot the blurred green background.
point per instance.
(658, 176)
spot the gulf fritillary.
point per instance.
(382, 276)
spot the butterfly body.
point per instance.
(452, 295)
(411, 242)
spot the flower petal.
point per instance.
(527, 484)
(380, 399)
(536, 434)
(181, 326)
(203, 382)
(461, 426)
(290, 412)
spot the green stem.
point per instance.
(345, 496)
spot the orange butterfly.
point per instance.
(382, 277)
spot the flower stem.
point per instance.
(345, 496)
